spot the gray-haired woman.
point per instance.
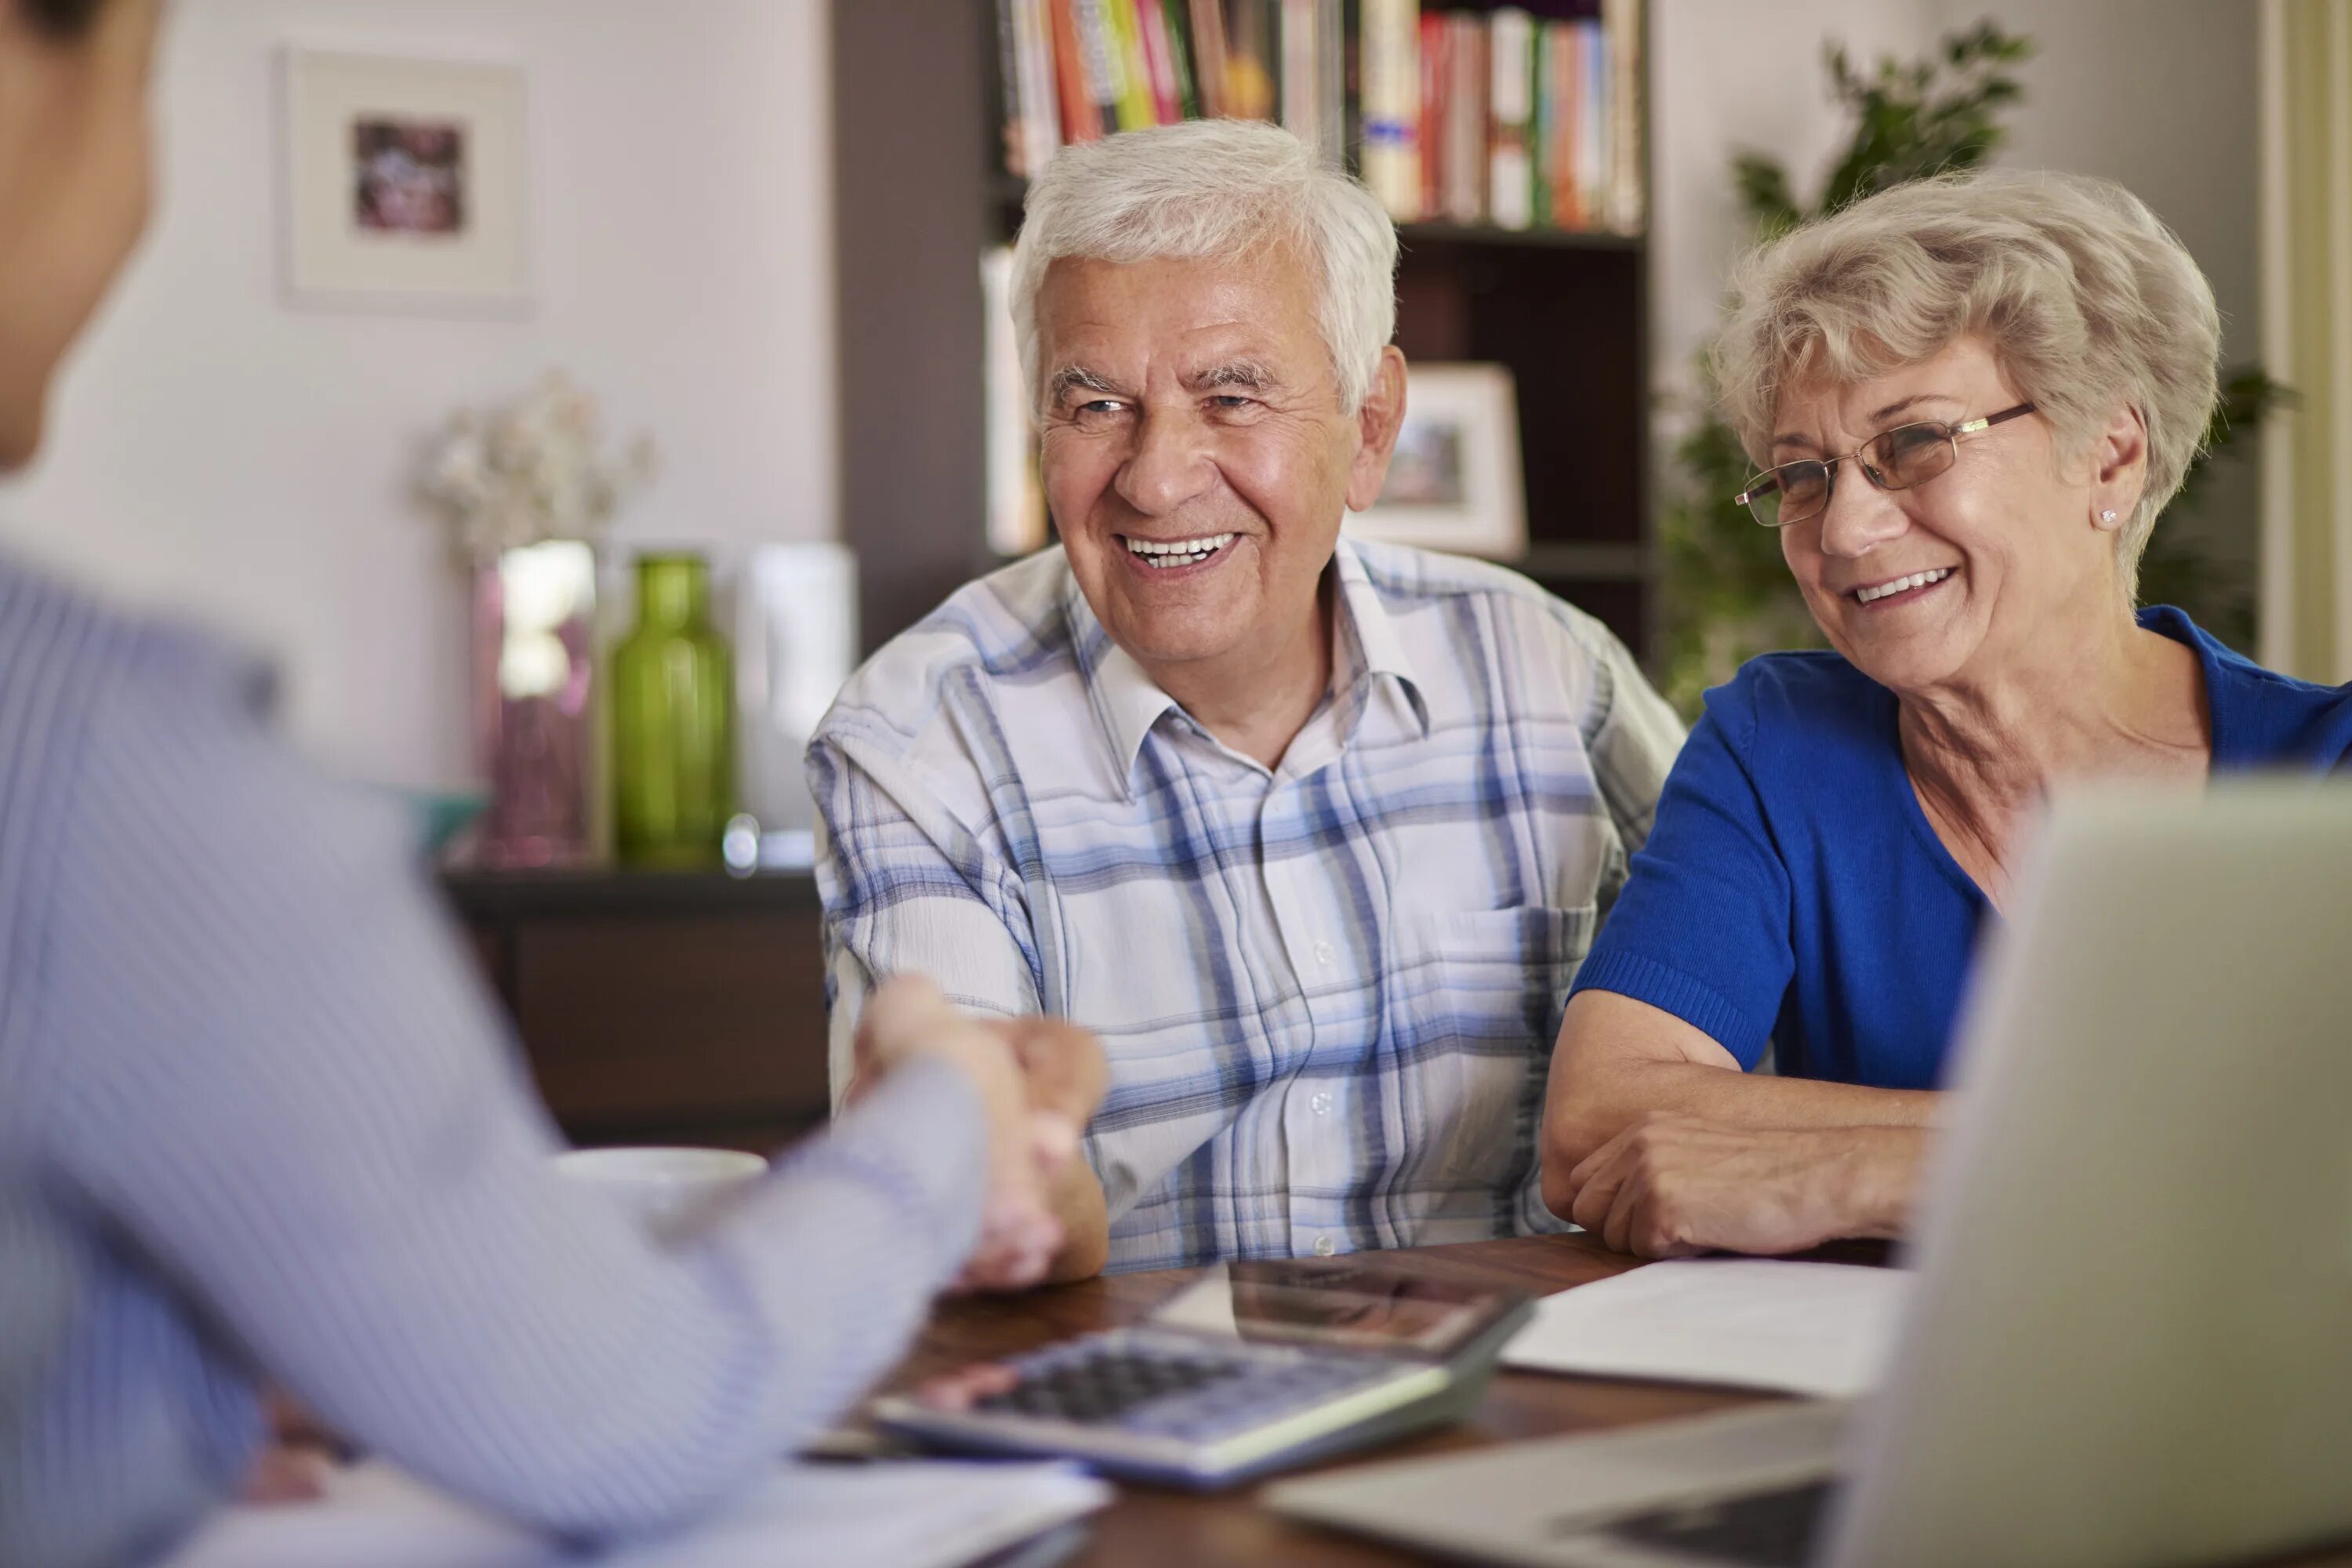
(1969, 399)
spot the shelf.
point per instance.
(1410, 234)
(1006, 192)
(481, 894)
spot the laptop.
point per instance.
(2131, 1339)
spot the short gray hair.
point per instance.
(1216, 189)
(2087, 301)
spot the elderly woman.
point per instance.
(1969, 398)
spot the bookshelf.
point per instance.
(921, 191)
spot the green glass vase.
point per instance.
(673, 721)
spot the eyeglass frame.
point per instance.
(1952, 433)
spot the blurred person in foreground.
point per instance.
(257, 1121)
(1971, 398)
(1311, 832)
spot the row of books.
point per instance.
(1458, 116)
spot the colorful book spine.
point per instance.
(1464, 116)
(1299, 77)
(1543, 136)
(1510, 52)
(1158, 62)
(1209, 54)
(1465, 121)
(1621, 20)
(1436, 83)
(1098, 62)
(1331, 55)
(1592, 126)
(1180, 58)
(1131, 78)
(1041, 112)
(1250, 62)
(1391, 100)
(1081, 121)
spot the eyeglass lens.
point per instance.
(1897, 460)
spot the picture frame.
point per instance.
(1454, 481)
(405, 182)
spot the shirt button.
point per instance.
(1324, 1247)
(1319, 1103)
(1326, 955)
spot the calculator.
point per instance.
(1258, 1366)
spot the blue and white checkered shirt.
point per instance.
(1327, 991)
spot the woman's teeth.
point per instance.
(1180, 552)
(1917, 580)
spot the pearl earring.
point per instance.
(2107, 516)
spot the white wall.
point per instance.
(215, 449)
(2160, 94)
(1728, 77)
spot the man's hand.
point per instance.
(906, 1020)
(1669, 1186)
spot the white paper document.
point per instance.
(905, 1515)
(1798, 1327)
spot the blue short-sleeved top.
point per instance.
(1793, 892)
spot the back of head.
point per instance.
(1216, 189)
(2086, 300)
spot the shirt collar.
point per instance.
(1128, 702)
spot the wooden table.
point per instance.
(1148, 1527)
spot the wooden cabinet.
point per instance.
(660, 1007)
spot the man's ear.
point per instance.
(2119, 469)
(1378, 420)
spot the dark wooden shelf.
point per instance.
(1411, 233)
(481, 894)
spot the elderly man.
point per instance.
(1313, 835)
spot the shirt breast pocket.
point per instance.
(1473, 1007)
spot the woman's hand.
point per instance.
(1669, 1186)
(1037, 1087)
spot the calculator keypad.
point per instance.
(1164, 1387)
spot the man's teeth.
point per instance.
(1180, 552)
(1917, 580)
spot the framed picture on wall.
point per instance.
(1454, 482)
(404, 184)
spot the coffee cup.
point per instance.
(668, 1191)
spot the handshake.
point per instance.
(1039, 1082)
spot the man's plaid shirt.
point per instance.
(1328, 992)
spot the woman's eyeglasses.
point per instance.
(1892, 459)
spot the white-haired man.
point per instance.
(1313, 835)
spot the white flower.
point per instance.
(532, 471)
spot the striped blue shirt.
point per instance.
(1327, 990)
(259, 1120)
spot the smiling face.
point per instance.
(1195, 455)
(1986, 564)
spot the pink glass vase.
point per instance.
(533, 684)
